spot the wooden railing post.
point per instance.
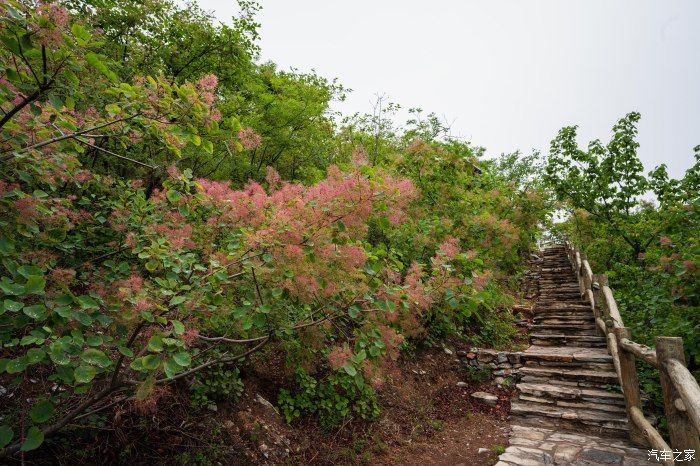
(630, 386)
(684, 435)
(603, 281)
(598, 302)
(579, 272)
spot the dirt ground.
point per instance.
(426, 419)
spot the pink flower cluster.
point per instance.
(62, 276)
(129, 287)
(208, 82)
(450, 247)
(178, 237)
(339, 356)
(56, 18)
(249, 139)
(299, 224)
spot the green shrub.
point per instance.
(216, 384)
(478, 375)
(336, 399)
(497, 330)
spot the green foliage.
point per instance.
(335, 399)
(165, 199)
(478, 375)
(217, 383)
(648, 248)
(496, 330)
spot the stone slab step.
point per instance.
(571, 376)
(566, 354)
(556, 285)
(564, 329)
(592, 341)
(576, 323)
(591, 406)
(559, 292)
(561, 307)
(586, 316)
(575, 419)
(551, 393)
(582, 317)
(530, 445)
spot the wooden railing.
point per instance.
(681, 393)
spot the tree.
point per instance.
(608, 182)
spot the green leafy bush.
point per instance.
(335, 399)
(217, 383)
(478, 375)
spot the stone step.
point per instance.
(582, 317)
(578, 322)
(566, 354)
(571, 377)
(590, 366)
(564, 329)
(554, 394)
(587, 405)
(559, 292)
(530, 445)
(548, 300)
(559, 296)
(555, 284)
(563, 315)
(570, 418)
(556, 306)
(586, 341)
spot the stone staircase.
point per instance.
(570, 409)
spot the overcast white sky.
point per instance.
(509, 74)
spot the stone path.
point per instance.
(569, 410)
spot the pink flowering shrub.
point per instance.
(128, 261)
(249, 139)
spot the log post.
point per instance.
(630, 385)
(579, 272)
(603, 281)
(584, 272)
(684, 435)
(598, 299)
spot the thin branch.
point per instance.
(66, 136)
(114, 154)
(216, 361)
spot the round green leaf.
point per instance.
(178, 327)
(182, 358)
(41, 412)
(36, 312)
(84, 373)
(6, 434)
(12, 306)
(155, 344)
(35, 437)
(35, 285)
(35, 355)
(16, 365)
(95, 357)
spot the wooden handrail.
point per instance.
(687, 387)
(614, 354)
(612, 307)
(680, 389)
(641, 351)
(650, 434)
